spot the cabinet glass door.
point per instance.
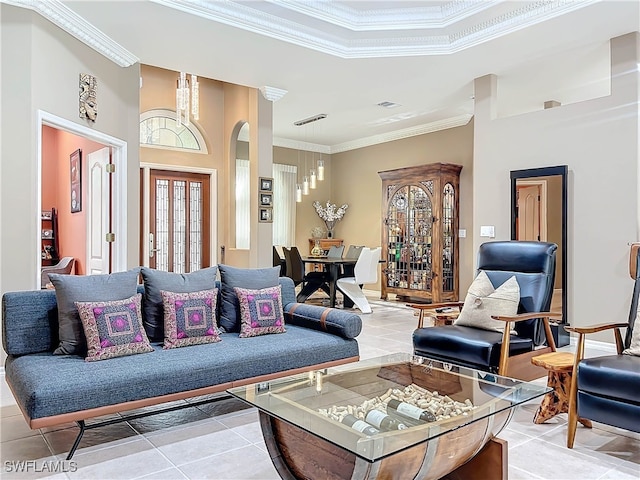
(409, 224)
(448, 238)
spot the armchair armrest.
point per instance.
(331, 320)
(583, 331)
(527, 316)
(431, 307)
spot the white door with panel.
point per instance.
(98, 221)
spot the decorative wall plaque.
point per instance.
(88, 97)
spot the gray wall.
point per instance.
(598, 140)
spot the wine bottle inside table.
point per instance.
(405, 409)
(383, 421)
(359, 425)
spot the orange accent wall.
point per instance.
(57, 146)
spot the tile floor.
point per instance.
(223, 440)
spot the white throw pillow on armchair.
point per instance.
(483, 301)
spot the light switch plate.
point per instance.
(462, 233)
(488, 231)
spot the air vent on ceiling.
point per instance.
(315, 118)
(388, 104)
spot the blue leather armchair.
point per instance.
(607, 389)
(533, 264)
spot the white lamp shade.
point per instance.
(298, 193)
(320, 170)
(313, 179)
(305, 185)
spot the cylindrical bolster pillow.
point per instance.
(330, 320)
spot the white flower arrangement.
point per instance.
(330, 213)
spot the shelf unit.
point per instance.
(49, 237)
(420, 232)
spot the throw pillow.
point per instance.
(86, 288)
(260, 311)
(634, 346)
(251, 278)
(113, 329)
(483, 301)
(189, 318)
(156, 280)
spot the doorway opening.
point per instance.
(118, 202)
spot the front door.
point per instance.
(179, 221)
(528, 220)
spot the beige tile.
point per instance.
(244, 463)
(517, 474)
(199, 447)
(61, 441)
(169, 474)
(28, 448)
(128, 460)
(621, 473)
(10, 411)
(15, 427)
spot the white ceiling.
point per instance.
(342, 58)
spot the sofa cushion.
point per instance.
(113, 329)
(483, 301)
(156, 280)
(261, 311)
(190, 318)
(86, 288)
(41, 394)
(232, 277)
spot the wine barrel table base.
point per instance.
(297, 454)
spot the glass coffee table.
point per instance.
(398, 416)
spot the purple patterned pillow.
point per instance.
(260, 311)
(113, 329)
(190, 318)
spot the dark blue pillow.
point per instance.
(249, 278)
(157, 280)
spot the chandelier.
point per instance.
(187, 97)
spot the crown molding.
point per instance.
(72, 23)
(298, 145)
(451, 122)
(444, 124)
(450, 35)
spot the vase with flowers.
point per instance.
(330, 215)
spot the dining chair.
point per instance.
(365, 271)
(352, 254)
(295, 270)
(278, 261)
(335, 251)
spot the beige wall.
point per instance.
(598, 140)
(224, 108)
(355, 181)
(41, 67)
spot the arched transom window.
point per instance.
(158, 129)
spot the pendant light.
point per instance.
(312, 178)
(320, 169)
(298, 185)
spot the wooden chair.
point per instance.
(606, 389)
(507, 354)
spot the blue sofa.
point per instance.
(54, 389)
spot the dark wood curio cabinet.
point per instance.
(420, 215)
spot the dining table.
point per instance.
(332, 267)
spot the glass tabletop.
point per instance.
(378, 407)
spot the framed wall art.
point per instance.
(76, 181)
(266, 215)
(266, 184)
(266, 199)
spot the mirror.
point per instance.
(539, 212)
(242, 189)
